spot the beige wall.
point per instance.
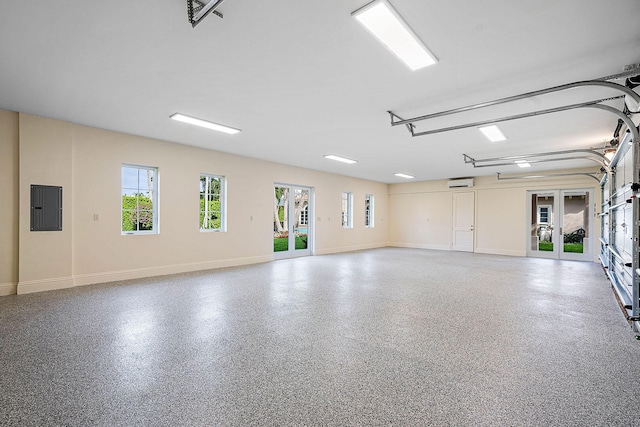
(45, 159)
(9, 179)
(86, 162)
(421, 213)
(421, 216)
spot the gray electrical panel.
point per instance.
(46, 208)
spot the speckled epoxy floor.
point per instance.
(381, 337)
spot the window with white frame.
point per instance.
(139, 201)
(544, 214)
(212, 203)
(347, 210)
(304, 216)
(368, 210)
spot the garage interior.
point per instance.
(448, 276)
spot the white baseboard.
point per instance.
(500, 252)
(421, 246)
(115, 276)
(448, 248)
(8, 289)
(353, 248)
(42, 285)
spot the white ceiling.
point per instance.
(303, 79)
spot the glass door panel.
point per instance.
(281, 219)
(576, 225)
(542, 236)
(575, 221)
(301, 227)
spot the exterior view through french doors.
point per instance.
(560, 224)
(292, 221)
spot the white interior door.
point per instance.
(463, 221)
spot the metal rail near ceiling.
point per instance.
(620, 186)
(547, 175)
(588, 154)
(555, 156)
(396, 120)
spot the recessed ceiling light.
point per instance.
(522, 163)
(204, 123)
(493, 133)
(382, 20)
(404, 175)
(340, 159)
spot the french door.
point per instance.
(292, 221)
(560, 224)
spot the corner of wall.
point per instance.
(9, 201)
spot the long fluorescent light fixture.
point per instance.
(340, 159)
(404, 175)
(493, 133)
(204, 123)
(522, 163)
(386, 24)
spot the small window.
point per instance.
(347, 210)
(212, 203)
(544, 214)
(368, 210)
(139, 199)
(304, 216)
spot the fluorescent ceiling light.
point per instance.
(493, 133)
(404, 175)
(382, 20)
(522, 163)
(204, 123)
(340, 159)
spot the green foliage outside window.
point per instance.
(137, 213)
(213, 221)
(211, 188)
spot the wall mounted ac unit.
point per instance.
(460, 183)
